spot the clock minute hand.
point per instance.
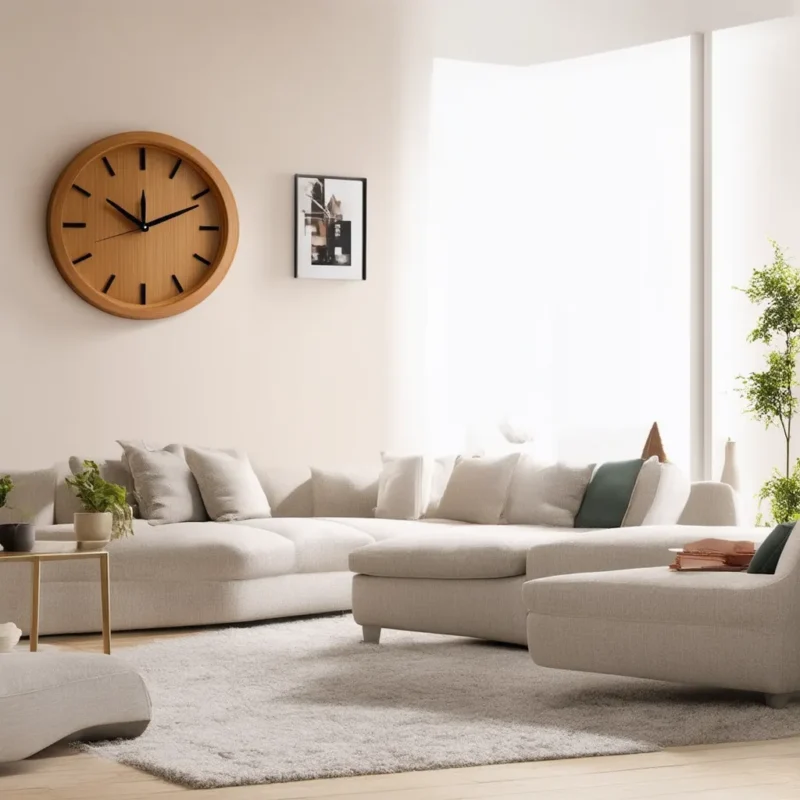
(125, 214)
(174, 214)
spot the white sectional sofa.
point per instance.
(431, 575)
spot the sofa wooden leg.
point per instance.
(371, 633)
(777, 700)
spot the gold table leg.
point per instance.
(105, 591)
(36, 592)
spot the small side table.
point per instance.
(56, 551)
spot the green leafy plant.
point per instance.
(771, 394)
(98, 496)
(6, 485)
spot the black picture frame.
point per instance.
(330, 227)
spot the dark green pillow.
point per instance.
(608, 495)
(765, 561)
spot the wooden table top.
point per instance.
(52, 551)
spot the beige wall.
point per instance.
(296, 371)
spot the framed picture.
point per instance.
(330, 228)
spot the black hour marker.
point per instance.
(209, 227)
(200, 258)
(82, 258)
(81, 190)
(200, 194)
(73, 224)
(143, 293)
(142, 159)
(109, 168)
(176, 168)
(111, 279)
(177, 283)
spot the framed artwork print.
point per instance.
(330, 228)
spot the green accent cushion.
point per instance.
(768, 554)
(609, 494)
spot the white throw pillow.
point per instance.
(659, 496)
(410, 487)
(344, 494)
(478, 489)
(228, 484)
(546, 494)
(164, 486)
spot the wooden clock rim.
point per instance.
(229, 233)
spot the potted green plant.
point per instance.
(771, 394)
(106, 514)
(18, 537)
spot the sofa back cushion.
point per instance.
(546, 494)
(288, 490)
(165, 488)
(33, 497)
(478, 489)
(339, 493)
(229, 486)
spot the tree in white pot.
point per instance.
(106, 513)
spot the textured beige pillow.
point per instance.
(32, 499)
(478, 489)
(546, 494)
(164, 485)
(401, 487)
(344, 494)
(228, 484)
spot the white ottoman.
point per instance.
(51, 697)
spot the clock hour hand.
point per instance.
(143, 210)
(174, 214)
(125, 214)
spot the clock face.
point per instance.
(142, 225)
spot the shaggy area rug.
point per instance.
(306, 699)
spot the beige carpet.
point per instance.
(295, 700)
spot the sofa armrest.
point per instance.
(623, 548)
(712, 503)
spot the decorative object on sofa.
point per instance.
(713, 555)
(131, 183)
(106, 514)
(9, 637)
(15, 537)
(653, 446)
(330, 221)
(609, 494)
(411, 487)
(730, 467)
(770, 395)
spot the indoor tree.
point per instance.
(771, 394)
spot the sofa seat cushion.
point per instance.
(321, 545)
(381, 529)
(182, 551)
(463, 553)
(658, 595)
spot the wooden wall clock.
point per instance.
(142, 225)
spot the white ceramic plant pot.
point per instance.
(9, 636)
(93, 530)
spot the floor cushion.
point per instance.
(48, 697)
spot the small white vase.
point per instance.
(730, 469)
(93, 530)
(9, 636)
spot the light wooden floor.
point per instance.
(754, 771)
